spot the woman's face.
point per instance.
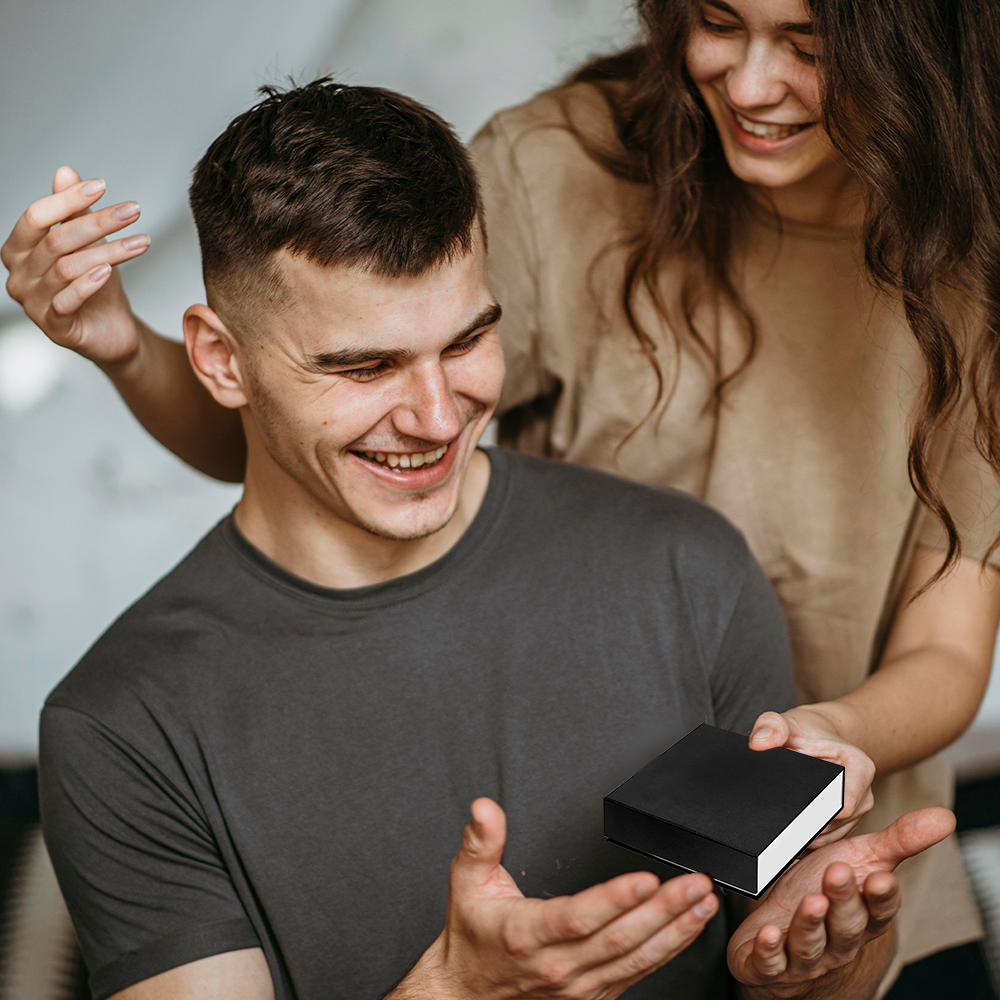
(754, 63)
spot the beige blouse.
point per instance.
(806, 455)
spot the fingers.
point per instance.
(635, 927)
(47, 212)
(67, 269)
(73, 296)
(912, 833)
(654, 933)
(768, 959)
(82, 232)
(770, 730)
(848, 917)
(567, 918)
(483, 841)
(883, 899)
(65, 177)
(805, 942)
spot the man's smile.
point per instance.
(401, 461)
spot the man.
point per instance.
(253, 783)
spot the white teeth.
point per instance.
(404, 461)
(416, 461)
(379, 456)
(393, 460)
(769, 131)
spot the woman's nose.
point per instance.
(758, 79)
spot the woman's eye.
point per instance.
(807, 57)
(719, 29)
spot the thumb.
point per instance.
(65, 177)
(770, 730)
(912, 833)
(482, 846)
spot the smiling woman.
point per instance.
(755, 257)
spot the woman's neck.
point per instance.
(829, 197)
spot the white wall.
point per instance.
(92, 511)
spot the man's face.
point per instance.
(371, 393)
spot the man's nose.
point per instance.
(428, 409)
(757, 80)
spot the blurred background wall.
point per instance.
(92, 510)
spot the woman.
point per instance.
(683, 238)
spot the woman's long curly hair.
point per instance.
(911, 100)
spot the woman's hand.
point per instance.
(62, 270)
(814, 730)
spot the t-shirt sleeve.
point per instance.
(135, 858)
(513, 264)
(971, 492)
(752, 671)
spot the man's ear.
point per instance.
(215, 356)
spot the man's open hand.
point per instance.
(497, 943)
(828, 906)
(62, 273)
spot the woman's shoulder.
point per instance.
(545, 149)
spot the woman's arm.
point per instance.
(934, 671)
(63, 273)
(925, 692)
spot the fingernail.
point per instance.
(705, 907)
(762, 734)
(92, 187)
(126, 210)
(100, 273)
(135, 242)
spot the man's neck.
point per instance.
(290, 527)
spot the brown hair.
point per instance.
(911, 98)
(357, 176)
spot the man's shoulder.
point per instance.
(637, 520)
(176, 625)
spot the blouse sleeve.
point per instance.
(971, 492)
(513, 265)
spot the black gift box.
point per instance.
(713, 805)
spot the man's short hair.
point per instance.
(353, 176)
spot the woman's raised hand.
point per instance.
(62, 269)
(811, 730)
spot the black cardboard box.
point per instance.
(713, 805)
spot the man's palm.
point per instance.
(867, 855)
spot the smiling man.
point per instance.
(254, 783)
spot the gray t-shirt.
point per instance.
(247, 758)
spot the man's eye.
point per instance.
(366, 374)
(466, 345)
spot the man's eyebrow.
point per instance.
(351, 357)
(490, 315)
(794, 27)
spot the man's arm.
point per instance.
(64, 275)
(243, 974)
